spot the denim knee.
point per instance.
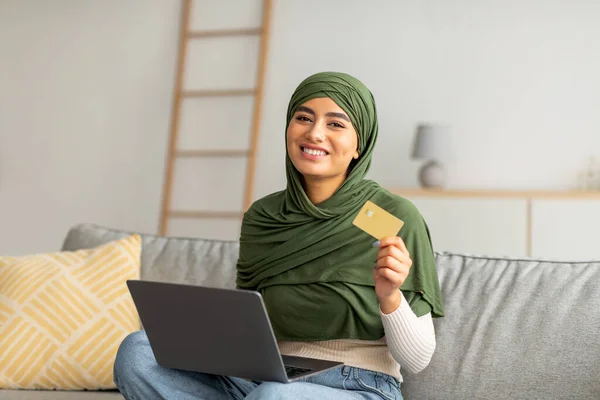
(272, 391)
(130, 358)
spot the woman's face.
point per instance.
(321, 140)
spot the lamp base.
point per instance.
(432, 175)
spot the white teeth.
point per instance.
(313, 152)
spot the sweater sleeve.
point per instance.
(410, 339)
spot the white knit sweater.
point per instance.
(409, 343)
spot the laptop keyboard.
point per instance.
(295, 371)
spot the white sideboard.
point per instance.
(544, 224)
(566, 228)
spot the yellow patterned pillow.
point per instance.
(64, 314)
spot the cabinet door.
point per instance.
(481, 226)
(566, 229)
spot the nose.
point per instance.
(315, 133)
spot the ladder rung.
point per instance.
(212, 153)
(205, 214)
(218, 92)
(224, 32)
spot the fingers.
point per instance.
(396, 277)
(394, 254)
(393, 264)
(395, 241)
(393, 261)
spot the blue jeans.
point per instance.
(139, 377)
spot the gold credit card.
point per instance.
(377, 222)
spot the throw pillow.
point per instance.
(63, 316)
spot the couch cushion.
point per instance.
(169, 259)
(63, 316)
(514, 329)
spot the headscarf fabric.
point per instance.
(313, 267)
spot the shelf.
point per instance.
(218, 93)
(495, 193)
(212, 153)
(224, 33)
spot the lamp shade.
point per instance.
(430, 141)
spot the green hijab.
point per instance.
(310, 263)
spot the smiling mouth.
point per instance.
(314, 152)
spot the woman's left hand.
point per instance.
(391, 269)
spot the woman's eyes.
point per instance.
(303, 118)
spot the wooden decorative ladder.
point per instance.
(181, 94)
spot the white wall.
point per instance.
(85, 91)
(85, 94)
(517, 80)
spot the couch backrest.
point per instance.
(169, 259)
(514, 329)
(522, 329)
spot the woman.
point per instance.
(330, 291)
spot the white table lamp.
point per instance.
(431, 144)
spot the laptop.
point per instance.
(216, 331)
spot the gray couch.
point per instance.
(514, 329)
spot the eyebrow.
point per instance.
(329, 114)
